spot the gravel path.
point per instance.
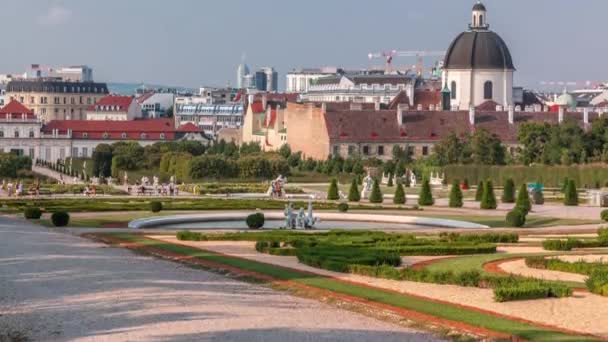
(58, 287)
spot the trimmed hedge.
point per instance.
(479, 191)
(515, 218)
(488, 199)
(343, 207)
(598, 282)
(523, 200)
(60, 219)
(255, 221)
(32, 213)
(399, 197)
(332, 192)
(156, 206)
(531, 290)
(604, 215)
(426, 196)
(456, 196)
(376, 195)
(353, 193)
(570, 195)
(553, 264)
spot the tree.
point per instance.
(486, 148)
(285, 151)
(571, 196)
(399, 195)
(102, 160)
(426, 196)
(508, 193)
(376, 195)
(523, 200)
(456, 196)
(390, 180)
(488, 199)
(479, 191)
(450, 150)
(332, 193)
(353, 193)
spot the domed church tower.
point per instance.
(478, 66)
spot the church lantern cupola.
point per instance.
(479, 19)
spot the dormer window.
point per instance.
(106, 135)
(85, 135)
(123, 135)
(162, 136)
(144, 135)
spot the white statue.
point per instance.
(412, 179)
(368, 183)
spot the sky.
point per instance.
(201, 42)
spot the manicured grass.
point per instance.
(474, 318)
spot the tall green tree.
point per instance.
(479, 191)
(488, 199)
(376, 195)
(399, 197)
(508, 193)
(426, 196)
(332, 192)
(456, 196)
(571, 195)
(353, 193)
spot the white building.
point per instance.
(478, 66)
(155, 105)
(115, 108)
(300, 80)
(77, 73)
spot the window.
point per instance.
(366, 150)
(488, 89)
(85, 135)
(75, 152)
(31, 135)
(481, 20)
(1, 134)
(336, 150)
(106, 135)
(31, 153)
(453, 90)
(425, 150)
(62, 153)
(85, 152)
(144, 135)
(124, 135)
(380, 150)
(162, 136)
(16, 133)
(351, 150)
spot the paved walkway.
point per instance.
(55, 175)
(59, 287)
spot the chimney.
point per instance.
(472, 115)
(400, 110)
(323, 107)
(560, 115)
(250, 98)
(586, 116)
(511, 115)
(264, 100)
(377, 105)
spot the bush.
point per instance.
(479, 191)
(376, 195)
(343, 207)
(561, 245)
(156, 206)
(255, 221)
(60, 219)
(488, 199)
(538, 198)
(604, 215)
(598, 282)
(390, 180)
(32, 213)
(353, 194)
(571, 196)
(332, 192)
(523, 200)
(516, 218)
(399, 195)
(526, 290)
(456, 196)
(186, 235)
(426, 196)
(508, 193)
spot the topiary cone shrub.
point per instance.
(60, 219)
(426, 196)
(455, 196)
(332, 192)
(488, 199)
(156, 206)
(479, 191)
(376, 195)
(523, 200)
(353, 193)
(508, 193)
(255, 221)
(32, 213)
(571, 196)
(516, 218)
(399, 195)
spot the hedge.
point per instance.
(426, 196)
(550, 176)
(60, 219)
(376, 194)
(32, 213)
(353, 193)
(598, 282)
(343, 207)
(255, 221)
(508, 194)
(156, 206)
(579, 267)
(455, 196)
(515, 218)
(531, 290)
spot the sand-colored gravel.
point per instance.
(519, 267)
(584, 312)
(519, 249)
(59, 287)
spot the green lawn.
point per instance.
(503, 325)
(499, 221)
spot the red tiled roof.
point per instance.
(401, 98)
(281, 97)
(258, 107)
(426, 98)
(487, 106)
(15, 110)
(118, 102)
(429, 126)
(188, 128)
(113, 130)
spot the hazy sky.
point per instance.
(200, 42)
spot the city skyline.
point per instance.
(189, 43)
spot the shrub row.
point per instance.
(579, 267)
(527, 290)
(489, 237)
(569, 244)
(598, 282)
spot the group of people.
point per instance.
(154, 189)
(15, 190)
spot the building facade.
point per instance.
(300, 80)
(53, 99)
(209, 118)
(115, 108)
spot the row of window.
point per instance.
(106, 135)
(58, 100)
(366, 150)
(488, 90)
(16, 133)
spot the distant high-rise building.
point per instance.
(267, 79)
(242, 75)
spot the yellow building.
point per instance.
(53, 99)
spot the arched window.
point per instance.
(481, 20)
(474, 21)
(453, 90)
(488, 90)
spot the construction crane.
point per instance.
(388, 56)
